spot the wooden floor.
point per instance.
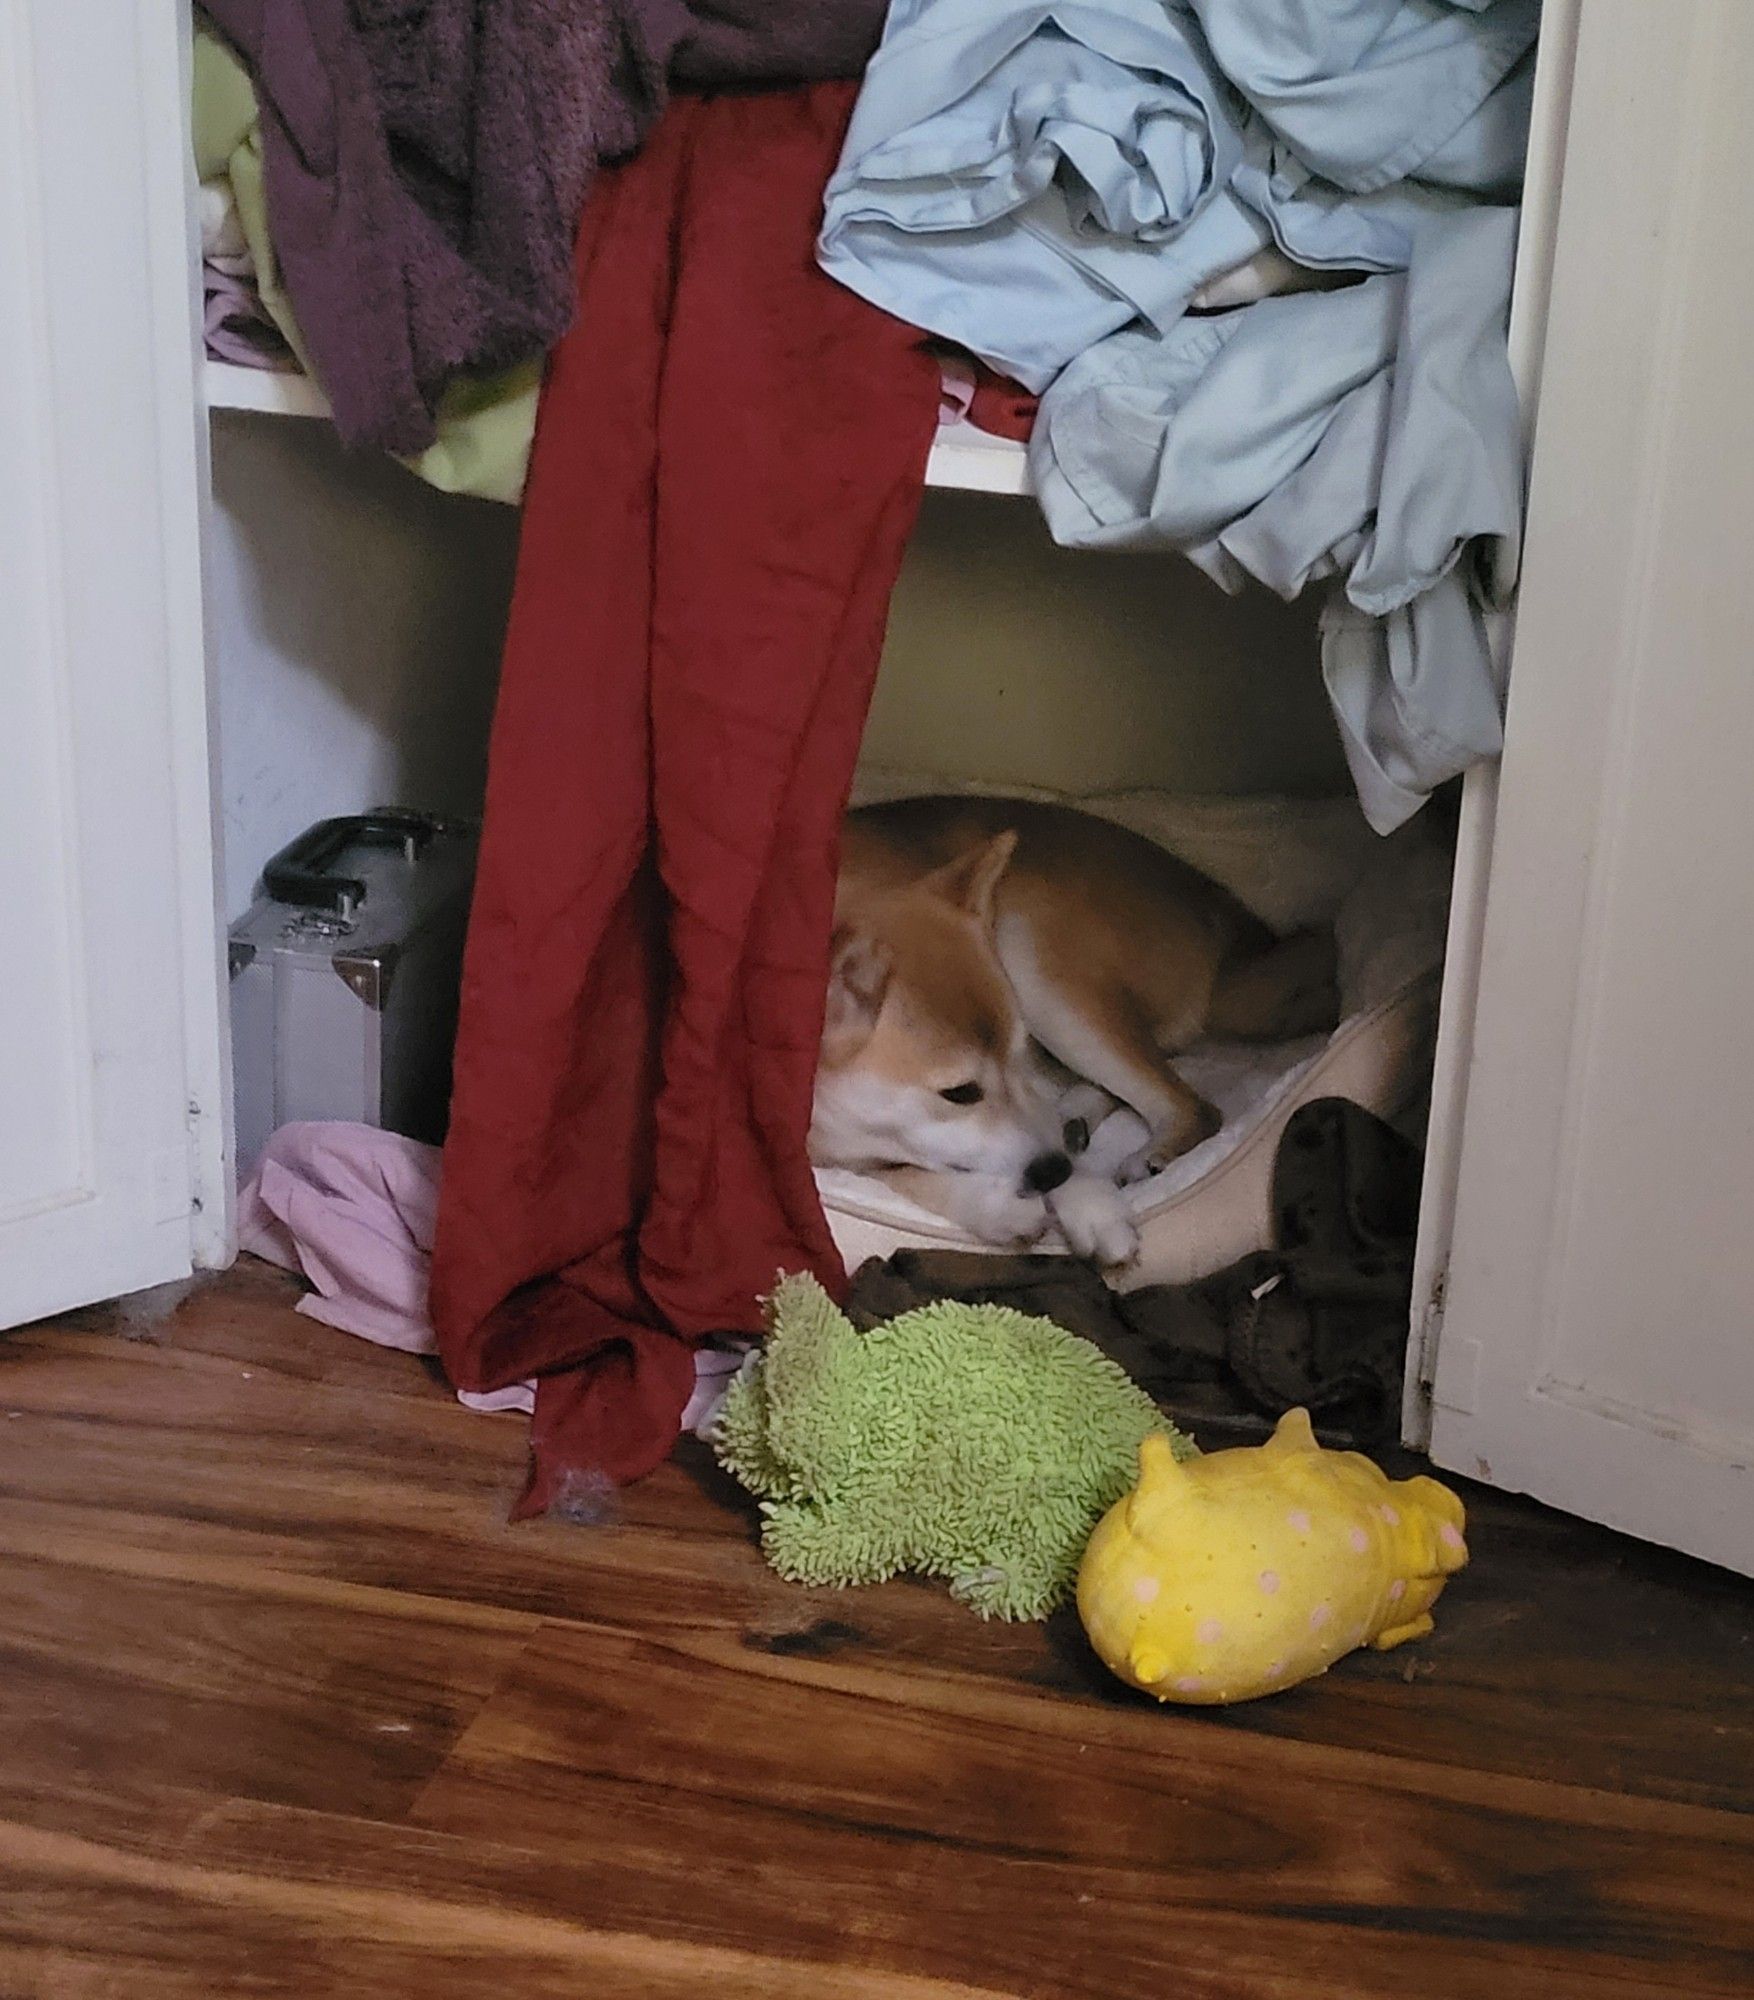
(289, 1709)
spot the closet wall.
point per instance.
(358, 617)
(1015, 662)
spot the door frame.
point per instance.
(1639, 490)
(166, 50)
(1537, 237)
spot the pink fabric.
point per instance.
(956, 386)
(969, 392)
(352, 1210)
(235, 323)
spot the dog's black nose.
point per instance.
(1046, 1172)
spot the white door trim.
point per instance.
(1536, 240)
(1597, 1346)
(166, 36)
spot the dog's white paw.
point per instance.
(1136, 1167)
(1121, 1139)
(993, 1210)
(1095, 1221)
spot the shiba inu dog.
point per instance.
(1004, 972)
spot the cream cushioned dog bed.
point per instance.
(1296, 863)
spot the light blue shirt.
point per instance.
(1024, 179)
(1371, 436)
(1050, 185)
(1369, 92)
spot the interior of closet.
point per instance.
(357, 616)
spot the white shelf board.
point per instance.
(977, 462)
(962, 457)
(271, 392)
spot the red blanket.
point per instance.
(727, 467)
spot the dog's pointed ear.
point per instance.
(972, 880)
(858, 978)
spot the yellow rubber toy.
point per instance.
(1243, 1572)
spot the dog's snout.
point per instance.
(1046, 1172)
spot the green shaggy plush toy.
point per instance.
(965, 1441)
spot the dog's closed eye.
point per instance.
(963, 1093)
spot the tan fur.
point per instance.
(973, 934)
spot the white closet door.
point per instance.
(111, 1115)
(1597, 1336)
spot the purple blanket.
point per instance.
(427, 161)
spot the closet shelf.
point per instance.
(963, 457)
(268, 391)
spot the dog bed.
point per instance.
(1295, 863)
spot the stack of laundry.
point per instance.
(240, 321)
(406, 184)
(367, 265)
(237, 326)
(1061, 188)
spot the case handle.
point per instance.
(303, 872)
